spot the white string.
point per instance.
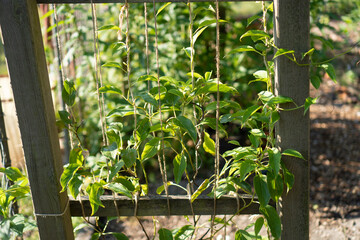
(44, 215)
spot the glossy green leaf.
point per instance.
(258, 225)
(95, 190)
(185, 232)
(273, 220)
(179, 163)
(275, 185)
(275, 159)
(148, 98)
(198, 33)
(110, 89)
(119, 236)
(246, 167)
(213, 87)
(260, 74)
(258, 133)
(243, 235)
(244, 48)
(282, 51)
(261, 190)
(74, 186)
(76, 156)
(119, 188)
(315, 81)
(255, 35)
(200, 189)
(147, 78)
(109, 27)
(308, 102)
(292, 153)
(252, 19)
(115, 169)
(209, 144)
(162, 8)
(186, 125)
(151, 148)
(243, 185)
(68, 174)
(209, 22)
(165, 234)
(249, 112)
(114, 65)
(143, 129)
(126, 183)
(68, 93)
(330, 70)
(65, 117)
(129, 157)
(12, 173)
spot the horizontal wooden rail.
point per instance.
(157, 206)
(138, 1)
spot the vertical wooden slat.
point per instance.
(291, 31)
(27, 67)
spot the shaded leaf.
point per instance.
(261, 190)
(129, 157)
(179, 167)
(150, 148)
(165, 234)
(273, 220)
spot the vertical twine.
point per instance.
(98, 79)
(162, 164)
(217, 141)
(61, 71)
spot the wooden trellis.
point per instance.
(20, 26)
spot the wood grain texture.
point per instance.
(136, 1)
(157, 206)
(27, 67)
(291, 31)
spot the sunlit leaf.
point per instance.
(209, 144)
(308, 102)
(292, 153)
(330, 70)
(282, 51)
(95, 190)
(200, 189)
(109, 27)
(261, 190)
(162, 8)
(275, 159)
(150, 148)
(110, 89)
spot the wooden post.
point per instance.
(27, 67)
(291, 31)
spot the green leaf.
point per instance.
(200, 189)
(18, 190)
(255, 35)
(148, 98)
(249, 112)
(315, 81)
(330, 70)
(198, 33)
(292, 153)
(252, 19)
(308, 102)
(12, 173)
(273, 220)
(209, 144)
(261, 190)
(209, 22)
(185, 232)
(243, 235)
(288, 177)
(161, 188)
(212, 87)
(65, 117)
(68, 174)
(165, 234)
(109, 27)
(113, 65)
(258, 225)
(150, 148)
(186, 125)
(110, 89)
(74, 186)
(95, 190)
(119, 236)
(143, 129)
(147, 78)
(257, 133)
(119, 188)
(68, 93)
(212, 106)
(281, 52)
(115, 169)
(162, 8)
(246, 167)
(261, 74)
(274, 160)
(126, 183)
(275, 185)
(129, 157)
(243, 185)
(308, 53)
(76, 156)
(179, 166)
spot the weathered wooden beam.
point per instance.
(157, 206)
(24, 50)
(291, 31)
(137, 1)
